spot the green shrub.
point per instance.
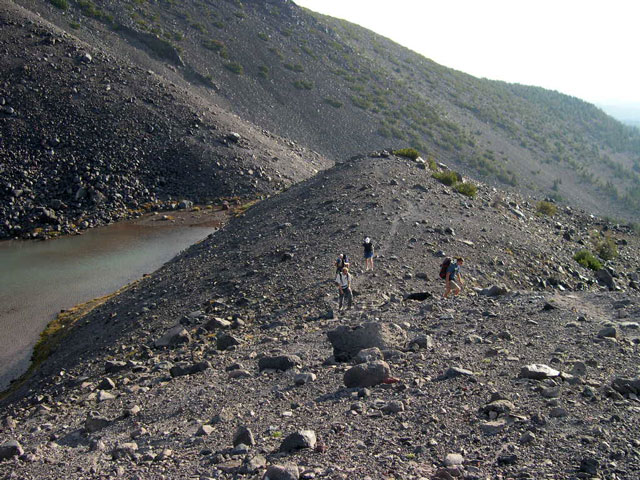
(448, 177)
(74, 25)
(468, 189)
(432, 164)
(214, 45)
(587, 260)
(303, 84)
(333, 102)
(263, 36)
(546, 208)
(234, 68)
(61, 4)
(411, 153)
(294, 68)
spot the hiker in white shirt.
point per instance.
(343, 280)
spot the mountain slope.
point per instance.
(87, 138)
(262, 287)
(341, 89)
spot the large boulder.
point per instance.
(367, 374)
(348, 341)
(10, 449)
(626, 385)
(298, 440)
(605, 278)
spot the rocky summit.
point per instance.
(233, 360)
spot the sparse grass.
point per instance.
(263, 36)
(263, 71)
(448, 178)
(216, 46)
(74, 25)
(606, 247)
(587, 260)
(468, 189)
(294, 68)
(303, 84)
(546, 208)
(242, 209)
(61, 4)
(411, 153)
(234, 68)
(431, 163)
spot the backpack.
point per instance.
(444, 267)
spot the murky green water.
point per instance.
(38, 279)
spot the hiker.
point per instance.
(341, 262)
(453, 276)
(368, 253)
(343, 279)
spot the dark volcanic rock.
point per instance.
(280, 362)
(348, 341)
(367, 374)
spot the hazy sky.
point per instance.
(584, 48)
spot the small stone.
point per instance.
(281, 362)
(538, 372)
(104, 396)
(608, 332)
(453, 460)
(303, 378)
(94, 423)
(494, 427)
(282, 472)
(395, 406)
(367, 374)
(204, 430)
(106, 384)
(243, 435)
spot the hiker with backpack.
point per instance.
(450, 272)
(341, 262)
(368, 253)
(343, 279)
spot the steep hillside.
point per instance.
(341, 89)
(87, 138)
(254, 363)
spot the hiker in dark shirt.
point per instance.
(341, 262)
(368, 253)
(453, 277)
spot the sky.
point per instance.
(587, 49)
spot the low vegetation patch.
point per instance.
(468, 189)
(587, 260)
(411, 153)
(303, 84)
(448, 177)
(546, 208)
(61, 4)
(606, 247)
(234, 68)
(333, 102)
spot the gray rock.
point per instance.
(280, 362)
(303, 378)
(113, 366)
(348, 341)
(422, 341)
(184, 204)
(282, 472)
(589, 465)
(605, 278)
(608, 332)
(368, 355)
(124, 450)
(189, 368)
(94, 423)
(225, 341)
(251, 464)
(624, 386)
(215, 323)
(493, 427)
(106, 384)
(367, 374)
(537, 371)
(243, 435)
(298, 440)
(10, 449)
(499, 407)
(175, 336)
(394, 406)
(454, 372)
(453, 460)
(204, 430)
(104, 396)
(494, 291)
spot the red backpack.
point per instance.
(444, 267)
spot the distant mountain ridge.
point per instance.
(340, 89)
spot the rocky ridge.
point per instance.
(223, 363)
